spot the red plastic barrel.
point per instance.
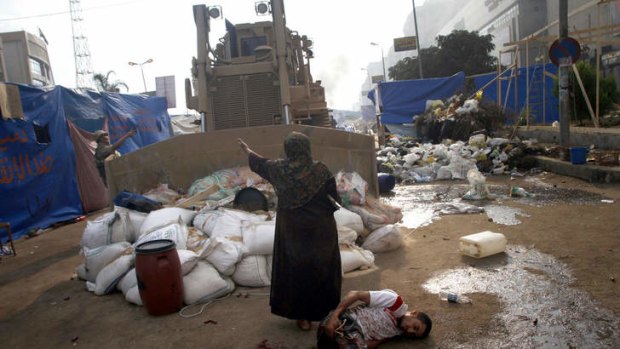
(160, 282)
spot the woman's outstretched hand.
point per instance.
(243, 145)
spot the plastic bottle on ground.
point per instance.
(451, 297)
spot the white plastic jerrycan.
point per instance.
(482, 244)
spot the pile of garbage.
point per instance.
(413, 162)
(219, 246)
(456, 119)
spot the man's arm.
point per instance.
(351, 298)
(122, 139)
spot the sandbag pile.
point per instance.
(221, 248)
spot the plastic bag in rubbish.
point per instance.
(478, 188)
(478, 141)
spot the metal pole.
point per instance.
(143, 80)
(564, 71)
(598, 67)
(527, 84)
(383, 60)
(281, 55)
(417, 41)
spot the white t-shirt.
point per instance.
(378, 319)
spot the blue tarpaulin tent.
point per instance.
(536, 76)
(403, 99)
(41, 154)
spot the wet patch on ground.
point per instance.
(421, 204)
(539, 306)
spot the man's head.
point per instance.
(102, 137)
(416, 324)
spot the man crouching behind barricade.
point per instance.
(383, 315)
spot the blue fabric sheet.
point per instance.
(38, 183)
(537, 73)
(405, 98)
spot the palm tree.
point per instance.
(104, 84)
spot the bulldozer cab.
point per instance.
(257, 74)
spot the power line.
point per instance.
(68, 12)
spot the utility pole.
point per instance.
(565, 63)
(417, 41)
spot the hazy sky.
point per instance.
(135, 30)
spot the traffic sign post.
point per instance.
(564, 48)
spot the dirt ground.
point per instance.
(42, 306)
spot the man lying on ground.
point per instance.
(383, 315)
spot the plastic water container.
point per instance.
(482, 244)
(578, 155)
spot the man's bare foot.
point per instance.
(304, 325)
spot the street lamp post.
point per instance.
(417, 40)
(150, 60)
(369, 78)
(382, 59)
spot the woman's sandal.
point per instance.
(304, 325)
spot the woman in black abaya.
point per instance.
(306, 275)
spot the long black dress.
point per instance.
(306, 276)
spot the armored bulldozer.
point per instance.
(257, 74)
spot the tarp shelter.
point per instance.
(403, 99)
(47, 168)
(541, 87)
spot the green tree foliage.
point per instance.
(105, 84)
(608, 91)
(461, 50)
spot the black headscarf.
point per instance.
(297, 178)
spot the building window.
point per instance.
(35, 67)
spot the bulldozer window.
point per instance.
(249, 44)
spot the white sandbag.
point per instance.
(188, 260)
(224, 222)
(163, 194)
(376, 214)
(197, 241)
(122, 229)
(81, 271)
(351, 187)
(224, 254)
(164, 216)
(384, 239)
(258, 237)
(97, 231)
(135, 217)
(353, 257)
(204, 283)
(133, 296)
(98, 258)
(173, 230)
(128, 281)
(349, 219)
(252, 271)
(109, 276)
(346, 235)
(269, 260)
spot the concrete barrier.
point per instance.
(601, 138)
(181, 160)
